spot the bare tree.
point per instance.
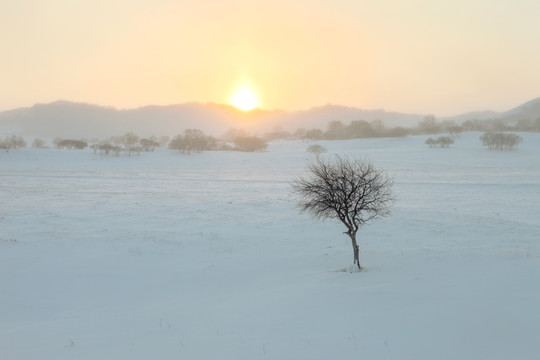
(429, 125)
(352, 191)
(5, 144)
(148, 144)
(130, 141)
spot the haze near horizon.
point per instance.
(408, 56)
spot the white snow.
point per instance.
(205, 256)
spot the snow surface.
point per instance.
(205, 256)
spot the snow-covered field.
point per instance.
(167, 256)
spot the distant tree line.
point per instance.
(191, 140)
(129, 144)
(194, 140)
(359, 129)
(430, 125)
(337, 130)
(498, 125)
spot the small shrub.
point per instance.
(316, 149)
(441, 142)
(71, 144)
(430, 142)
(445, 141)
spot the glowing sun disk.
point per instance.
(244, 99)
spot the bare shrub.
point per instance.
(316, 149)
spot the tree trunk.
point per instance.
(352, 235)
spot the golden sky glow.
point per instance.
(420, 56)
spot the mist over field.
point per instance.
(204, 255)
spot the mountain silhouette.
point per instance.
(67, 119)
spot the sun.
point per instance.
(244, 99)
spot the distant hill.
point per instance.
(78, 120)
(529, 110)
(478, 115)
(68, 119)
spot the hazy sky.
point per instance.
(420, 56)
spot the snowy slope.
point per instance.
(205, 256)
